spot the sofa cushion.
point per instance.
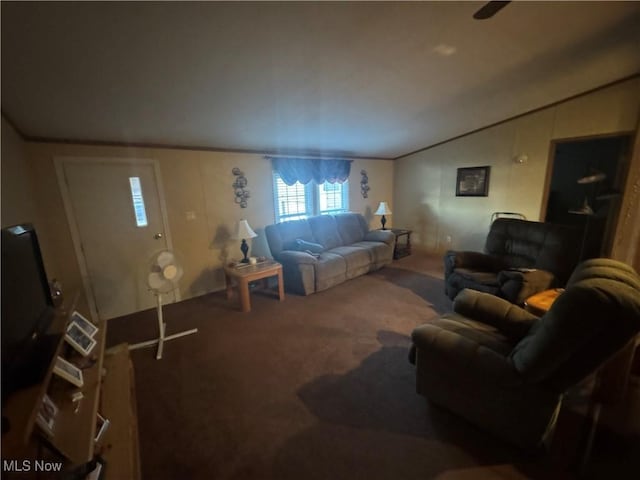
(282, 234)
(350, 227)
(331, 269)
(380, 252)
(325, 231)
(304, 246)
(358, 259)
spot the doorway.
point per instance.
(585, 188)
(118, 221)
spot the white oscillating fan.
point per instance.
(163, 276)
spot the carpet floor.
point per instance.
(315, 387)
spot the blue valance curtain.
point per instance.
(303, 170)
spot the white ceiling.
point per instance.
(358, 79)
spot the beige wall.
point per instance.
(424, 186)
(17, 190)
(420, 188)
(626, 244)
(193, 181)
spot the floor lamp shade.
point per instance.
(383, 209)
(244, 231)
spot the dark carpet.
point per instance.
(315, 387)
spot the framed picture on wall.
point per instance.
(473, 182)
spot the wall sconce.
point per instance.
(521, 159)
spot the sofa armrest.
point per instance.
(518, 285)
(514, 322)
(385, 236)
(461, 355)
(295, 257)
(475, 260)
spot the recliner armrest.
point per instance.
(385, 236)
(475, 260)
(518, 285)
(513, 321)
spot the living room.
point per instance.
(420, 188)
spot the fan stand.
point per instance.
(162, 328)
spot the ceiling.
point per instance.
(360, 79)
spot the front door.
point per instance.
(118, 215)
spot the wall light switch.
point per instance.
(190, 215)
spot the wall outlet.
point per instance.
(448, 239)
(190, 215)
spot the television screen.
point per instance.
(27, 309)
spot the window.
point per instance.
(301, 201)
(332, 197)
(138, 202)
(292, 202)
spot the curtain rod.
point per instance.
(307, 157)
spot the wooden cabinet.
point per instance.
(108, 389)
(120, 444)
(75, 424)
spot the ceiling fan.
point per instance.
(489, 9)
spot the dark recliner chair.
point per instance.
(522, 258)
(506, 370)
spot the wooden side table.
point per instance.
(541, 302)
(244, 274)
(401, 249)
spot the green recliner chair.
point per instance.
(506, 370)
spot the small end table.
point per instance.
(401, 249)
(541, 302)
(246, 273)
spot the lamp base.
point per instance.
(245, 249)
(383, 221)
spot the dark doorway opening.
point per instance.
(586, 186)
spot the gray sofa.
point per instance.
(320, 252)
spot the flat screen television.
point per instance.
(27, 311)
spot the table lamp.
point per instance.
(383, 209)
(244, 231)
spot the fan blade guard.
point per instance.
(155, 280)
(165, 258)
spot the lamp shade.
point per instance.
(584, 210)
(595, 177)
(243, 230)
(383, 209)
